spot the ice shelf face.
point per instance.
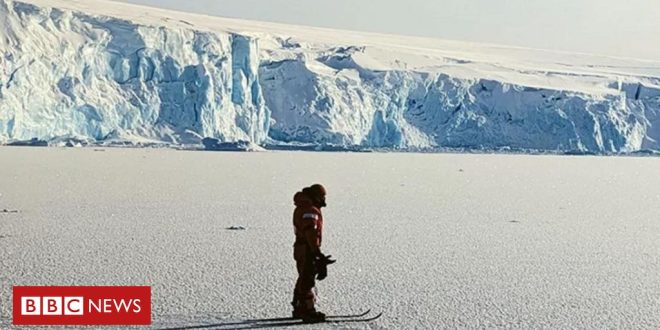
(100, 71)
(91, 77)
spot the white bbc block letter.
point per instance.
(73, 305)
(51, 306)
(30, 305)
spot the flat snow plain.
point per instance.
(433, 240)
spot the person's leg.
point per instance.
(299, 290)
(303, 300)
(307, 298)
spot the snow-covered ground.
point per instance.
(434, 241)
(96, 71)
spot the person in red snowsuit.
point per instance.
(308, 227)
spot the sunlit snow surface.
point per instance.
(432, 240)
(95, 71)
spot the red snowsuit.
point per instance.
(308, 226)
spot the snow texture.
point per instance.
(436, 241)
(80, 72)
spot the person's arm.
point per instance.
(310, 232)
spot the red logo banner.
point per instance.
(82, 305)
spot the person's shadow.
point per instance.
(246, 324)
(272, 323)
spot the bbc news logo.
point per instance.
(52, 306)
(82, 305)
(74, 306)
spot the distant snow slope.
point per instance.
(102, 71)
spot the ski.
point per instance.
(349, 315)
(353, 319)
(336, 319)
(329, 317)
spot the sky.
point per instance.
(628, 28)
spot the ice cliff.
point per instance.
(98, 71)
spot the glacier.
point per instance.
(94, 72)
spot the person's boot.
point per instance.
(313, 317)
(298, 313)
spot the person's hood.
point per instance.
(301, 199)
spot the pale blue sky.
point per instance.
(628, 28)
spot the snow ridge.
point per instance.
(70, 75)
